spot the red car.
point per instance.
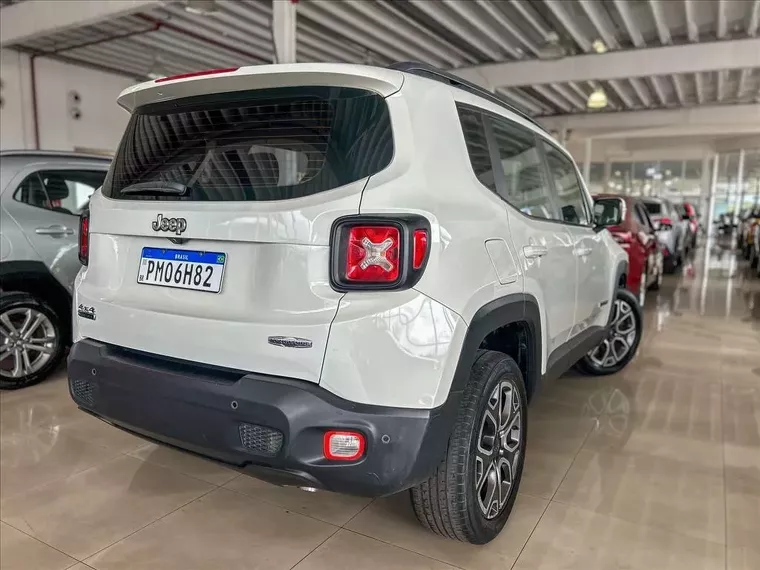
(636, 235)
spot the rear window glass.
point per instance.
(269, 144)
(653, 207)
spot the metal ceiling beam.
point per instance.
(381, 19)
(547, 93)
(465, 11)
(698, 88)
(558, 9)
(630, 26)
(595, 13)
(722, 24)
(522, 101)
(666, 60)
(754, 19)
(530, 17)
(678, 87)
(503, 22)
(28, 20)
(706, 115)
(659, 20)
(434, 11)
(691, 24)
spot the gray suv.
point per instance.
(42, 195)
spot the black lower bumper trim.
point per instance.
(200, 409)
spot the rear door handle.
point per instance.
(583, 251)
(56, 231)
(534, 251)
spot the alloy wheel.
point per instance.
(499, 449)
(28, 340)
(620, 338)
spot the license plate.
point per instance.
(182, 269)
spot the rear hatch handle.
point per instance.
(156, 187)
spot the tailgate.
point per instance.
(242, 187)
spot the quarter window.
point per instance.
(477, 145)
(567, 186)
(525, 186)
(64, 191)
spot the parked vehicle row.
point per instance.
(278, 280)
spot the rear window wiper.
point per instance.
(157, 187)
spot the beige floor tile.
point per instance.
(741, 558)
(329, 507)
(87, 512)
(350, 551)
(392, 520)
(223, 530)
(570, 538)
(743, 507)
(37, 456)
(662, 493)
(741, 414)
(91, 429)
(555, 434)
(185, 463)
(21, 552)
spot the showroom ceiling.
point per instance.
(166, 38)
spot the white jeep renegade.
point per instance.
(346, 278)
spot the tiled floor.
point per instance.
(655, 468)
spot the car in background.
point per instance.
(671, 231)
(41, 197)
(636, 235)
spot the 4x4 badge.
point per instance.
(176, 225)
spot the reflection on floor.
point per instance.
(655, 468)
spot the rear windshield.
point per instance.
(653, 208)
(268, 144)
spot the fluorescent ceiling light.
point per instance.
(597, 99)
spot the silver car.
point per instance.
(671, 229)
(41, 197)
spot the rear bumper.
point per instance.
(271, 428)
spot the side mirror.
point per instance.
(608, 212)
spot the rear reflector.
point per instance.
(343, 445)
(373, 254)
(84, 238)
(420, 248)
(196, 74)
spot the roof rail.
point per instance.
(432, 72)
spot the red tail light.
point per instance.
(196, 74)
(373, 254)
(377, 252)
(420, 248)
(84, 238)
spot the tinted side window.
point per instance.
(567, 187)
(526, 187)
(477, 145)
(65, 191)
(644, 217)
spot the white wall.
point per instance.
(102, 121)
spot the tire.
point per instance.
(47, 336)
(599, 363)
(450, 503)
(753, 257)
(670, 265)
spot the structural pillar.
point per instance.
(587, 162)
(284, 30)
(740, 185)
(711, 202)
